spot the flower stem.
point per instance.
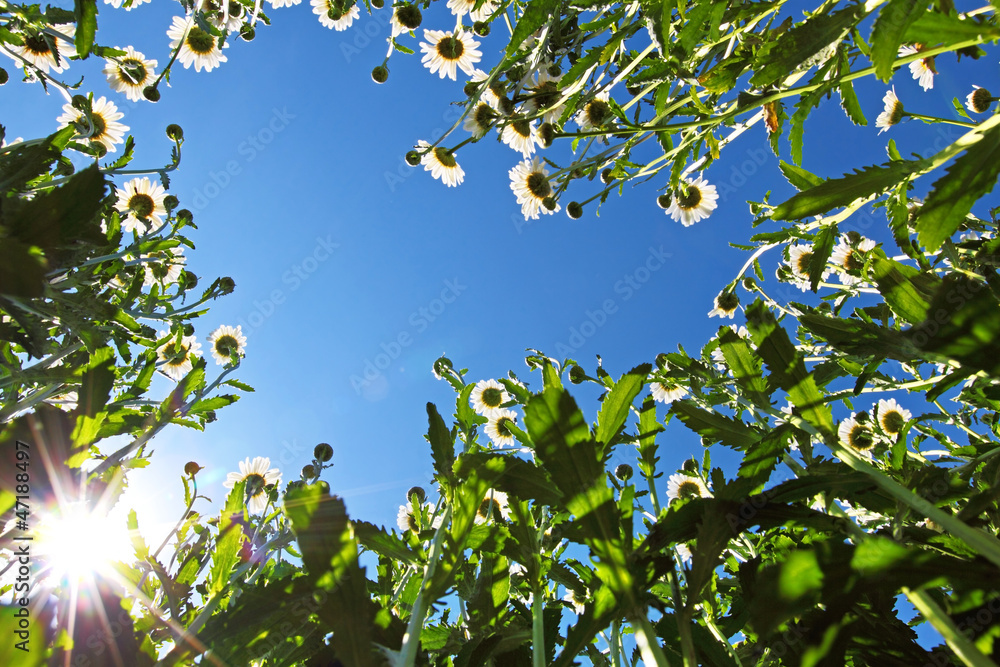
(537, 630)
(649, 645)
(408, 652)
(964, 648)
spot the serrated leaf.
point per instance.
(86, 26)
(96, 381)
(775, 60)
(971, 176)
(851, 105)
(947, 29)
(745, 364)
(442, 442)
(618, 402)
(227, 545)
(714, 427)
(822, 249)
(888, 30)
(138, 544)
(536, 14)
(899, 285)
(799, 177)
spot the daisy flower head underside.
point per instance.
(446, 51)
(595, 113)
(979, 100)
(164, 268)
(494, 505)
(892, 113)
(521, 135)
(258, 475)
(799, 257)
(849, 257)
(176, 359)
(141, 205)
(47, 51)
(130, 73)
(488, 396)
(479, 122)
(892, 416)
(100, 127)
(331, 18)
(530, 183)
(497, 427)
(462, 7)
(665, 391)
(694, 202)
(856, 434)
(227, 341)
(922, 70)
(199, 48)
(441, 163)
(225, 15)
(680, 486)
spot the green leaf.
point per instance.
(714, 427)
(799, 177)
(21, 163)
(138, 544)
(788, 370)
(947, 29)
(97, 381)
(888, 30)
(375, 538)
(778, 58)
(536, 14)
(562, 440)
(86, 26)
(838, 192)
(822, 249)
(617, 403)
(906, 290)
(849, 101)
(971, 176)
(22, 269)
(442, 442)
(227, 545)
(745, 364)
(762, 456)
(511, 475)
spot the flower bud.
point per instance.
(170, 202)
(226, 285)
(186, 216)
(548, 134)
(151, 93)
(191, 468)
(80, 102)
(549, 203)
(606, 177)
(308, 471)
(661, 361)
(409, 17)
(188, 280)
(175, 132)
(378, 4)
(470, 88)
(624, 472)
(323, 452)
(4, 77)
(412, 158)
(481, 28)
(441, 366)
(574, 210)
(690, 466)
(247, 32)
(663, 201)
(380, 74)
(749, 284)
(417, 491)
(577, 374)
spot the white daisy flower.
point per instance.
(684, 552)
(979, 100)
(695, 205)
(444, 51)
(45, 50)
(199, 48)
(576, 600)
(497, 429)
(258, 475)
(494, 501)
(480, 120)
(923, 69)
(799, 257)
(278, 4)
(726, 305)
(489, 95)
(102, 127)
(141, 204)
(227, 17)
(441, 163)
(893, 112)
(118, 3)
(843, 256)
(530, 183)
(595, 114)
(225, 341)
(177, 359)
(329, 17)
(856, 435)
(165, 269)
(488, 396)
(407, 517)
(521, 135)
(666, 392)
(130, 73)
(680, 485)
(892, 416)
(545, 95)
(462, 7)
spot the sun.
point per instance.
(78, 543)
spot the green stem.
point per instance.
(710, 622)
(649, 645)
(964, 648)
(616, 631)
(408, 652)
(538, 630)
(935, 119)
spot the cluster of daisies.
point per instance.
(176, 356)
(848, 260)
(863, 432)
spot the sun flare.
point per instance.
(78, 543)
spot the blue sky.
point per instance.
(293, 166)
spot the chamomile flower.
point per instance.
(578, 601)
(226, 15)
(892, 113)
(100, 127)
(462, 7)
(545, 95)
(684, 551)
(258, 475)
(530, 183)
(198, 47)
(595, 113)
(979, 100)
(680, 486)
(441, 163)
(494, 503)
(405, 18)
(695, 201)
(726, 304)
(845, 258)
(857, 435)
(165, 269)
(490, 94)
(118, 3)
(799, 257)
(666, 392)
(480, 120)
(176, 359)
(497, 429)
(488, 396)
(444, 51)
(923, 69)
(225, 341)
(521, 135)
(892, 416)
(278, 4)
(45, 50)
(329, 17)
(130, 73)
(407, 519)
(141, 205)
